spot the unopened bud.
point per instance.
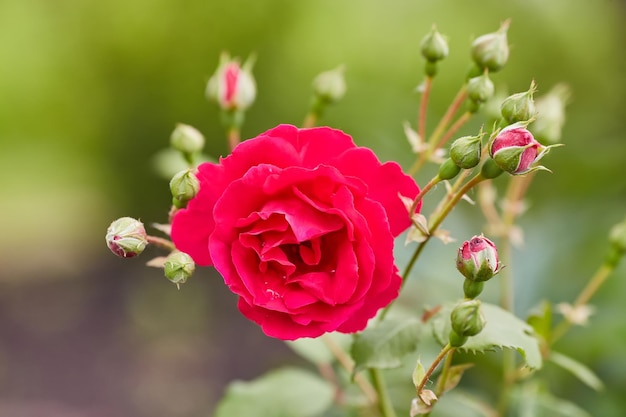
(126, 237)
(519, 107)
(186, 139)
(516, 151)
(448, 169)
(491, 51)
(330, 86)
(178, 267)
(477, 259)
(466, 151)
(550, 116)
(617, 237)
(467, 320)
(232, 85)
(434, 46)
(480, 89)
(184, 186)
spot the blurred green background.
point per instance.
(90, 91)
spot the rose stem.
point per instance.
(421, 120)
(310, 120)
(585, 295)
(384, 403)
(442, 354)
(439, 130)
(160, 242)
(347, 364)
(233, 137)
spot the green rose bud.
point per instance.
(467, 320)
(184, 186)
(434, 46)
(519, 107)
(186, 139)
(466, 151)
(330, 86)
(480, 89)
(178, 267)
(491, 51)
(126, 237)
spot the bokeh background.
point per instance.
(90, 91)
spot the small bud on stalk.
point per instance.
(477, 259)
(232, 86)
(617, 239)
(550, 116)
(187, 139)
(467, 320)
(178, 267)
(516, 151)
(434, 46)
(491, 51)
(466, 151)
(448, 169)
(184, 186)
(126, 237)
(330, 86)
(480, 89)
(519, 107)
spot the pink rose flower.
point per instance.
(300, 223)
(516, 151)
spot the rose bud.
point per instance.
(519, 107)
(126, 237)
(232, 86)
(480, 89)
(515, 150)
(491, 51)
(465, 151)
(186, 139)
(178, 267)
(330, 86)
(477, 259)
(467, 320)
(617, 239)
(184, 186)
(550, 116)
(434, 46)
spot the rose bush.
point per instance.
(300, 223)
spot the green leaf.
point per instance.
(418, 373)
(385, 345)
(580, 371)
(287, 392)
(540, 318)
(503, 330)
(316, 350)
(532, 399)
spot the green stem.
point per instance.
(442, 354)
(434, 181)
(590, 289)
(421, 121)
(456, 126)
(384, 401)
(439, 130)
(233, 137)
(310, 120)
(441, 383)
(161, 242)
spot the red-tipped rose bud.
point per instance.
(466, 150)
(477, 259)
(491, 51)
(232, 86)
(550, 116)
(434, 46)
(519, 107)
(126, 237)
(184, 186)
(467, 320)
(178, 267)
(480, 89)
(186, 139)
(330, 86)
(516, 151)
